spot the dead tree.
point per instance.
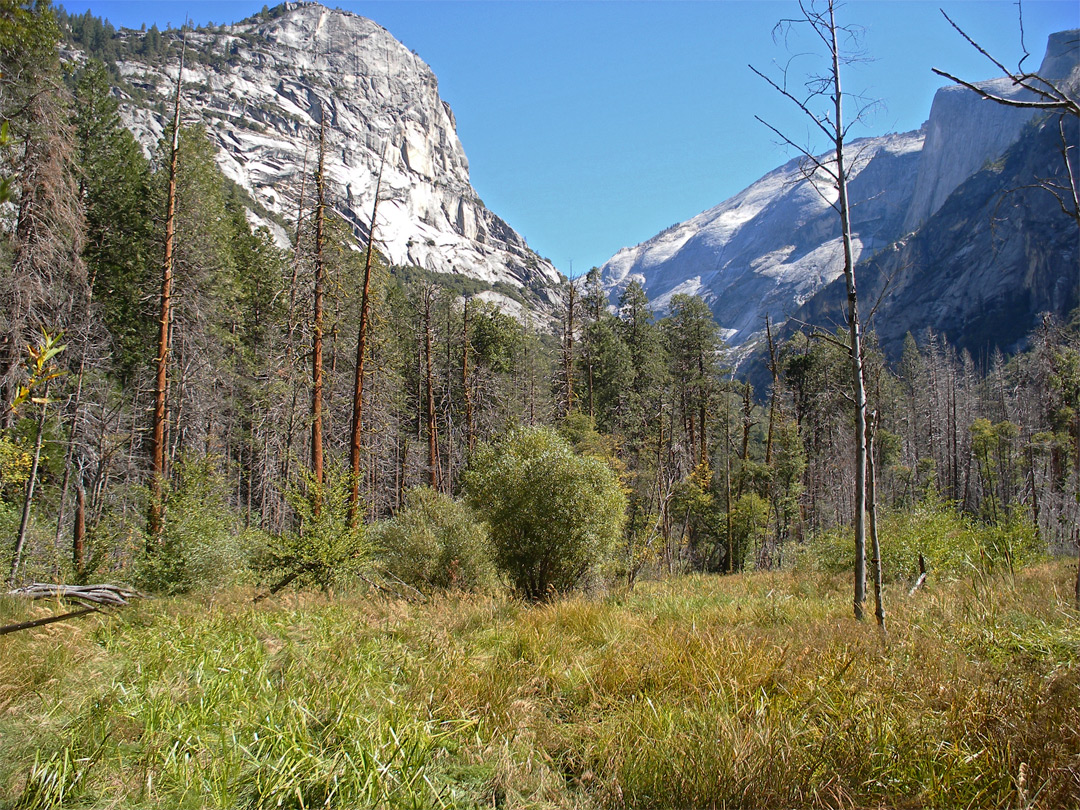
(355, 441)
(1044, 95)
(429, 378)
(871, 499)
(568, 351)
(1049, 96)
(317, 320)
(28, 498)
(470, 432)
(832, 168)
(157, 480)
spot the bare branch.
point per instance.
(1065, 102)
(1023, 45)
(800, 104)
(809, 156)
(1055, 97)
(975, 44)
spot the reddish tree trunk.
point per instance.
(157, 482)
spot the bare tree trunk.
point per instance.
(355, 441)
(470, 435)
(77, 403)
(775, 372)
(290, 334)
(871, 502)
(727, 488)
(568, 353)
(317, 324)
(433, 458)
(155, 523)
(854, 326)
(78, 533)
(832, 124)
(28, 499)
(68, 458)
(747, 424)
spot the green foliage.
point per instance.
(749, 523)
(40, 369)
(554, 516)
(494, 338)
(116, 186)
(202, 548)
(325, 550)
(28, 36)
(455, 283)
(435, 542)
(953, 544)
(695, 503)
(14, 468)
(606, 361)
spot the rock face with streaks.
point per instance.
(984, 268)
(262, 86)
(772, 248)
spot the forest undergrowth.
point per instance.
(752, 690)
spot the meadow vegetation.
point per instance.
(752, 690)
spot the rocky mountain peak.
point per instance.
(262, 86)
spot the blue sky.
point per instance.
(591, 126)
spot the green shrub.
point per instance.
(951, 543)
(434, 542)
(554, 516)
(202, 546)
(324, 550)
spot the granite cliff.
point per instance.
(261, 88)
(774, 247)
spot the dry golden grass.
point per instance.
(749, 691)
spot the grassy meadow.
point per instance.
(754, 691)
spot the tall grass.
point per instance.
(745, 691)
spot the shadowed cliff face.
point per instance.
(774, 248)
(996, 255)
(965, 131)
(262, 109)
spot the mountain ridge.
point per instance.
(261, 86)
(771, 248)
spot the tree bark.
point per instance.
(429, 377)
(28, 499)
(317, 324)
(356, 437)
(854, 327)
(470, 435)
(78, 533)
(155, 524)
(568, 352)
(871, 502)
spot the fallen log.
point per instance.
(111, 595)
(14, 628)
(92, 598)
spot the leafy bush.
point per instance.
(434, 542)
(554, 516)
(952, 544)
(201, 547)
(324, 550)
(14, 468)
